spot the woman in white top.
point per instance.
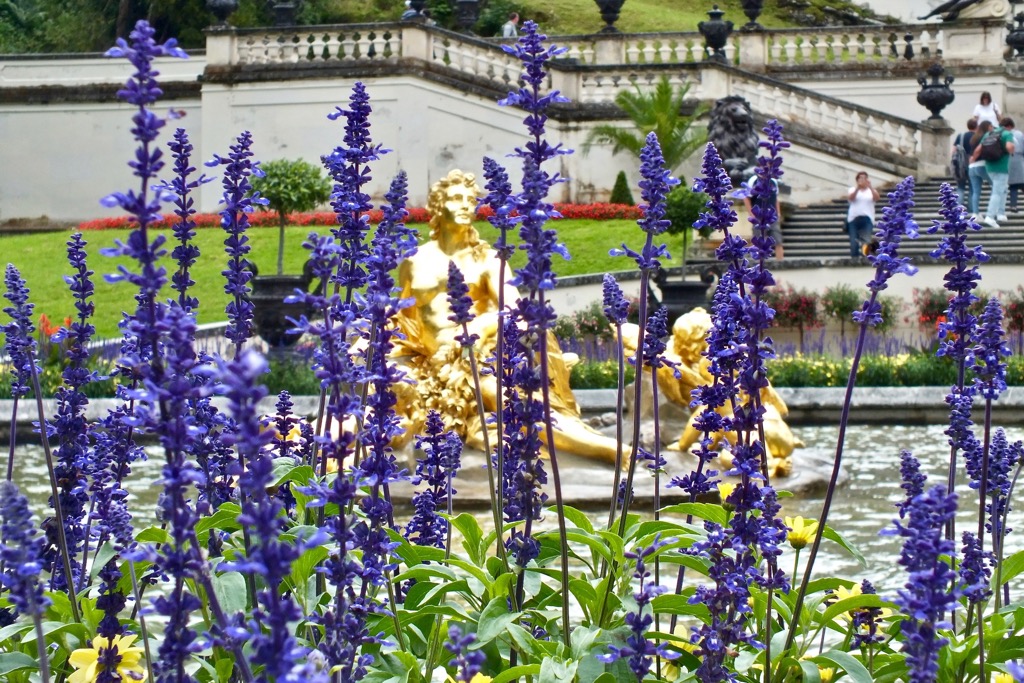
(987, 110)
(860, 218)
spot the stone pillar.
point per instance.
(933, 155)
(416, 42)
(714, 82)
(220, 46)
(978, 43)
(609, 49)
(567, 82)
(753, 50)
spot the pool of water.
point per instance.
(862, 507)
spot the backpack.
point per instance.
(992, 148)
(958, 161)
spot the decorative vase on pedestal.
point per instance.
(716, 34)
(610, 13)
(936, 95)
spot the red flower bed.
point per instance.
(601, 212)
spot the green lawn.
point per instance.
(41, 258)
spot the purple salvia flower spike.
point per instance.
(348, 166)
(268, 630)
(930, 592)
(467, 662)
(439, 465)
(460, 304)
(19, 345)
(615, 305)
(181, 186)
(639, 651)
(239, 201)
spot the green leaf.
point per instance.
(516, 672)
(595, 544)
(153, 534)
(14, 629)
(709, 511)
(472, 536)
(53, 628)
(555, 671)
(853, 603)
(231, 592)
(833, 535)
(578, 518)
(854, 669)
(11, 662)
(1012, 566)
(224, 519)
(285, 470)
(810, 671)
(305, 566)
(494, 619)
(679, 604)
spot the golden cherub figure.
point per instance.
(688, 345)
(438, 365)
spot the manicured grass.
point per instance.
(41, 258)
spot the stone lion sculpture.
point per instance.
(734, 135)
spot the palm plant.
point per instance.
(658, 111)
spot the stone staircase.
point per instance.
(816, 231)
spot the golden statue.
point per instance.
(688, 345)
(439, 366)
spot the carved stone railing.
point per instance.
(863, 47)
(644, 48)
(856, 47)
(858, 126)
(474, 58)
(589, 75)
(310, 45)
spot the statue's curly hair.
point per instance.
(435, 201)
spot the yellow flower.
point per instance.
(725, 490)
(85, 660)
(801, 531)
(1002, 677)
(826, 674)
(477, 678)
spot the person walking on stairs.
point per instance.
(995, 149)
(860, 218)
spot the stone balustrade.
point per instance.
(856, 47)
(477, 59)
(307, 45)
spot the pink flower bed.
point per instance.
(325, 218)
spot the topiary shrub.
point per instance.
(290, 186)
(683, 207)
(621, 193)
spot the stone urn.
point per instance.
(221, 10)
(716, 32)
(680, 296)
(610, 13)
(935, 96)
(1015, 38)
(271, 312)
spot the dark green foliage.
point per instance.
(495, 14)
(621, 193)
(658, 111)
(291, 186)
(683, 206)
(914, 370)
(292, 375)
(598, 375)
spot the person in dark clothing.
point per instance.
(966, 140)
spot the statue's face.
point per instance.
(459, 203)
